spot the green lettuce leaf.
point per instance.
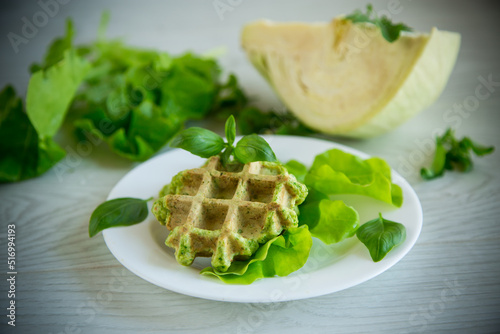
(23, 154)
(56, 50)
(338, 172)
(298, 169)
(280, 256)
(50, 93)
(330, 221)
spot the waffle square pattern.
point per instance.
(211, 211)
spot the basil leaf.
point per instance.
(201, 142)
(380, 236)
(253, 148)
(118, 212)
(230, 130)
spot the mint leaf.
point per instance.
(198, 141)
(380, 236)
(118, 212)
(253, 148)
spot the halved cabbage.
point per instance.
(346, 79)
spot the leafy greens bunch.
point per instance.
(135, 100)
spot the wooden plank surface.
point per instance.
(448, 283)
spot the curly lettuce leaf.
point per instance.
(149, 129)
(338, 172)
(279, 256)
(330, 221)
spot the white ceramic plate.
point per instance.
(141, 248)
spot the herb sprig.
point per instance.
(453, 154)
(205, 143)
(389, 30)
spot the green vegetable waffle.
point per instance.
(211, 211)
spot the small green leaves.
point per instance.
(201, 142)
(453, 154)
(118, 212)
(380, 236)
(230, 130)
(389, 30)
(253, 148)
(205, 143)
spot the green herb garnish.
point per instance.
(380, 236)
(205, 143)
(453, 154)
(118, 212)
(389, 30)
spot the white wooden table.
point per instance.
(448, 283)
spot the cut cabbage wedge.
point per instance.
(345, 79)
